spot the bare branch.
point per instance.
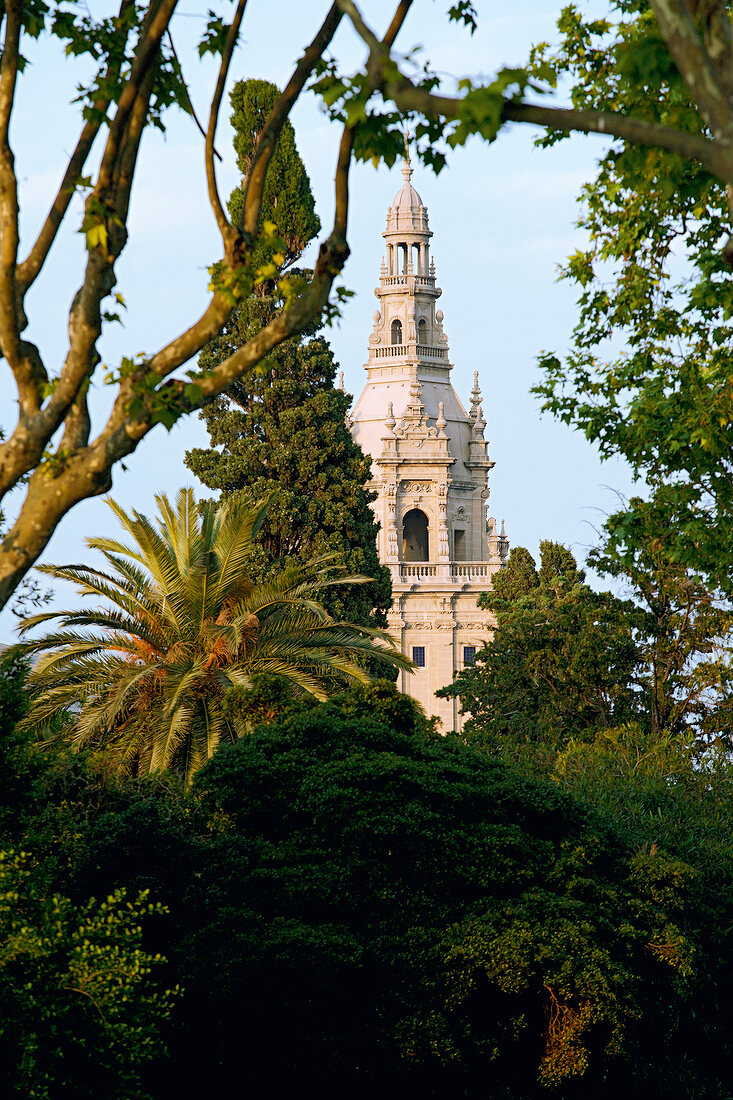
(232, 37)
(31, 267)
(130, 148)
(341, 185)
(194, 116)
(710, 153)
(190, 342)
(9, 328)
(397, 20)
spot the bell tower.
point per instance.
(430, 467)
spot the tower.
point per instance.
(430, 467)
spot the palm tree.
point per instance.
(144, 675)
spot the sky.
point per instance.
(503, 217)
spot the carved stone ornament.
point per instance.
(407, 486)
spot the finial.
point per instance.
(340, 384)
(383, 268)
(479, 423)
(502, 533)
(475, 394)
(390, 421)
(407, 167)
(441, 422)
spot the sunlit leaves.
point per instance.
(649, 373)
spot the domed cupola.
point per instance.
(406, 216)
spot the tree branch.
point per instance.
(9, 328)
(194, 116)
(718, 160)
(232, 36)
(397, 20)
(30, 268)
(715, 155)
(256, 178)
(694, 62)
(160, 13)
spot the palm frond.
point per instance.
(178, 621)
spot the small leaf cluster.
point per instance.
(78, 996)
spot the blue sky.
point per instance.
(503, 217)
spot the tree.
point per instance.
(565, 663)
(283, 434)
(653, 281)
(563, 660)
(80, 1009)
(137, 77)
(386, 905)
(287, 199)
(182, 622)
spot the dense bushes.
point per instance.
(354, 902)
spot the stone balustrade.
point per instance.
(404, 280)
(392, 350)
(417, 571)
(462, 572)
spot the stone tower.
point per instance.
(430, 467)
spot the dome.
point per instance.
(407, 197)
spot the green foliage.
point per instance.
(353, 901)
(284, 435)
(79, 1011)
(181, 622)
(386, 905)
(287, 200)
(685, 637)
(652, 282)
(562, 662)
(565, 662)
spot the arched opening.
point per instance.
(422, 331)
(396, 332)
(415, 536)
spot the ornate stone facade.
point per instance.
(430, 466)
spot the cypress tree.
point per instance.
(282, 433)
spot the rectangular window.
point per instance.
(418, 655)
(469, 653)
(459, 545)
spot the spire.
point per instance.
(475, 395)
(407, 167)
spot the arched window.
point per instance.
(422, 331)
(396, 332)
(415, 536)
